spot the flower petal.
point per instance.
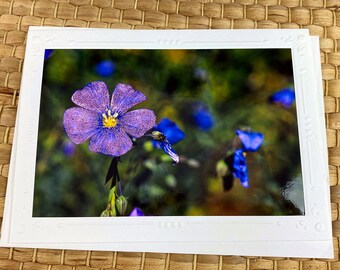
(125, 97)
(48, 53)
(240, 169)
(111, 141)
(138, 122)
(94, 97)
(251, 141)
(166, 147)
(80, 124)
(284, 97)
(171, 131)
(136, 212)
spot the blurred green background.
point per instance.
(234, 86)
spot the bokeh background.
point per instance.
(232, 85)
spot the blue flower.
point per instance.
(165, 134)
(251, 141)
(284, 98)
(48, 53)
(203, 119)
(136, 212)
(201, 74)
(161, 142)
(170, 130)
(69, 148)
(107, 124)
(105, 68)
(240, 169)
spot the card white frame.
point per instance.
(290, 236)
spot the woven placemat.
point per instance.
(322, 18)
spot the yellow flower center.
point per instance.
(109, 121)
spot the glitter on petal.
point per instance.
(125, 97)
(93, 97)
(114, 142)
(80, 124)
(136, 122)
(251, 141)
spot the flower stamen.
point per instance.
(109, 120)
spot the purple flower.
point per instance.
(284, 97)
(107, 124)
(105, 68)
(240, 169)
(136, 212)
(203, 119)
(170, 130)
(251, 141)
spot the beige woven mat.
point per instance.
(322, 18)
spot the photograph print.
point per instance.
(159, 132)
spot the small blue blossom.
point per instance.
(69, 148)
(240, 169)
(284, 98)
(105, 68)
(136, 212)
(165, 134)
(236, 162)
(202, 118)
(160, 142)
(48, 53)
(201, 74)
(251, 141)
(170, 130)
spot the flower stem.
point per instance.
(114, 174)
(118, 183)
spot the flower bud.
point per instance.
(112, 198)
(105, 213)
(121, 205)
(221, 168)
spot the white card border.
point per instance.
(294, 236)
